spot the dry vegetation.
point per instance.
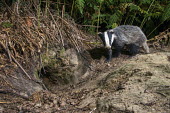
(25, 36)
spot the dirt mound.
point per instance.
(29, 44)
(141, 85)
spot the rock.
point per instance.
(38, 105)
(1, 109)
(67, 69)
(72, 56)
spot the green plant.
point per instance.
(150, 15)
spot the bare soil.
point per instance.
(138, 84)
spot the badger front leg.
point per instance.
(109, 53)
(133, 49)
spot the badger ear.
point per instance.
(100, 34)
(111, 31)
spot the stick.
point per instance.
(20, 67)
(5, 102)
(8, 52)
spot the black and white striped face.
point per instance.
(107, 38)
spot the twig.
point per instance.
(56, 3)
(63, 11)
(8, 51)
(90, 26)
(5, 102)
(57, 27)
(15, 60)
(71, 37)
(20, 66)
(4, 78)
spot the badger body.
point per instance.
(124, 35)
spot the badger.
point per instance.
(125, 35)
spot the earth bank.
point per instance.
(139, 84)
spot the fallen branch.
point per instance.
(8, 52)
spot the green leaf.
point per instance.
(125, 1)
(114, 25)
(6, 24)
(134, 7)
(115, 17)
(80, 5)
(166, 14)
(145, 1)
(154, 15)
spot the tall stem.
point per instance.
(38, 13)
(98, 18)
(144, 20)
(46, 7)
(155, 28)
(133, 19)
(72, 7)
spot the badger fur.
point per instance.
(124, 35)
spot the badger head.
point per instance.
(107, 38)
